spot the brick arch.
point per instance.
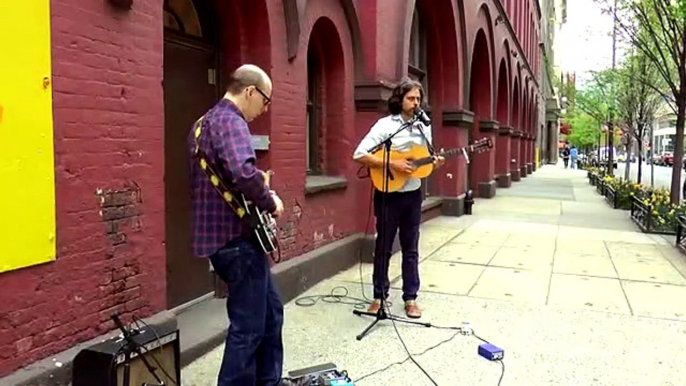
(516, 104)
(515, 144)
(503, 142)
(507, 58)
(325, 44)
(294, 14)
(481, 97)
(503, 95)
(445, 50)
(484, 24)
(525, 105)
(482, 170)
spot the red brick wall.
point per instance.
(108, 120)
(314, 220)
(109, 124)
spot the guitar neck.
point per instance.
(445, 154)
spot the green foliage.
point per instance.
(657, 29)
(585, 130)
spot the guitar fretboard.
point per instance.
(445, 154)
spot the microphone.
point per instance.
(421, 115)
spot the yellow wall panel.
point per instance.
(27, 196)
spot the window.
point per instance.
(313, 112)
(180, 15)
(417, 58)
(326, 103)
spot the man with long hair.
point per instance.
(403, 207)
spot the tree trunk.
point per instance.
(627, 173)
(640, 160)
(675, 194)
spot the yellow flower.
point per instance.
(655, 213)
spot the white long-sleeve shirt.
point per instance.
(403, 141)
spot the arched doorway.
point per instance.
(434, 58)
(190, 88)
(482, 169)
(502, 168)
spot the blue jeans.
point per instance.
(253, 354)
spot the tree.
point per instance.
(637, 102)
(597, 100)
(585, 130)
(657, 28)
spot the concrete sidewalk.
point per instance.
(570, 288)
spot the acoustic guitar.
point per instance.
(422, 161)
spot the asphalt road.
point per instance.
(663, 174)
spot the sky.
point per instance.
(585, 40)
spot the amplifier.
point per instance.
(104, 364)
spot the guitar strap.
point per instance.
(218, 184)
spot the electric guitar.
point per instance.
(262, 223)
(422, 161)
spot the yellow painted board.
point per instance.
(27, 196)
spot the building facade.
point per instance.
(549, 114)
(128, 78)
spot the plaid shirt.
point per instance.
(227, 146)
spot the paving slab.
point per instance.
(593, 293)
(587, 264)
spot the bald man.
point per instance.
(253, 354)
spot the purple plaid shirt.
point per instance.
(227, 146)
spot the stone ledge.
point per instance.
(318, 184)
(505, 130)
(488, 126)
(373, 96)
(458, 118)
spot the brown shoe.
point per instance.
(374, 307)
(412, 309)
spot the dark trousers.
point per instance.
(403, 213)
(253, 354)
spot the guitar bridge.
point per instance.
(464, 153)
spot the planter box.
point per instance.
(681, 234)
(611, 197)
(642, 215)
(600, 186)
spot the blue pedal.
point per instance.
(491, 352)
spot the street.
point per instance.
(663, 174)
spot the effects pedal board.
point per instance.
(321, 375)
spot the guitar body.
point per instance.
(263, 226)
(422, 160)
(397, 180)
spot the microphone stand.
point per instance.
(129, 346)
(382, 314)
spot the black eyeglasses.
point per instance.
(267, 100)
